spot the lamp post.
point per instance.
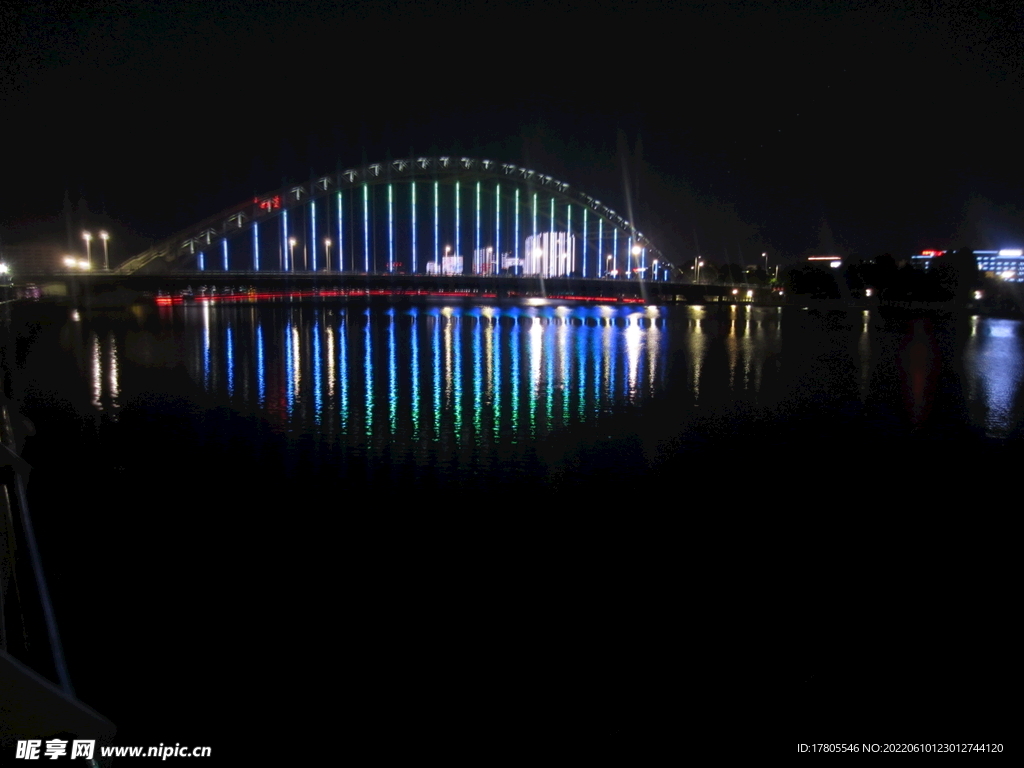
(107, 260)
(291, 253)
(87, 236)
(327, 246)
(637, 250)
(765, 257)
(697, 264)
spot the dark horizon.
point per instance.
(846, 128)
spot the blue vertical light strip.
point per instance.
(284, 240)
(456, 372)
(261, 374)
(615, 251)
(515, 339)
(549, 358)
(564, 383)
(256, 246)
(412, 208)
(436, 346)
(458, 204)
(201, 258)
(343, 369)
(368, 371)
(497, 228)
(584, 242)
(206, 348)
(289, 367)
(437, 229)
(230, 350)
(496, 362)
(643, 262)
(476, 249)
(581, 364)
(224, 253)
(366, 228)
(392, 375)
(312, 233)
(478, 379)
(415, 375)
(318, 384)
(341, 239)
(391, 228)
(515, 242)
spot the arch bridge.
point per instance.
(426, 215)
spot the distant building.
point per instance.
(485, 261)
(1007, 264)
(552, 254)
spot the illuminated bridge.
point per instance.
(427, 215)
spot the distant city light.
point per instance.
(1011, 252)
(835, 264)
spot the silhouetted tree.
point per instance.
(813, 282)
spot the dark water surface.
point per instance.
(278, 519)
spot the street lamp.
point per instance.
(87, 236)
(106, 258)
(327, 245)
(697, 264)
(654, 266)
(291, 253)
(637, 250)
(765, 257)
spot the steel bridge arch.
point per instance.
(184, 245)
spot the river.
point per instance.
(241, 504)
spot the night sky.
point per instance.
(839, 127)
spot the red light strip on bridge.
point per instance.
(165, 301)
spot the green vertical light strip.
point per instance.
(551, 239)
(341, 242)
(391, 229)
(584, 242)
(515, 242)
(366, 228)
(568, 237)
(530, 255)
